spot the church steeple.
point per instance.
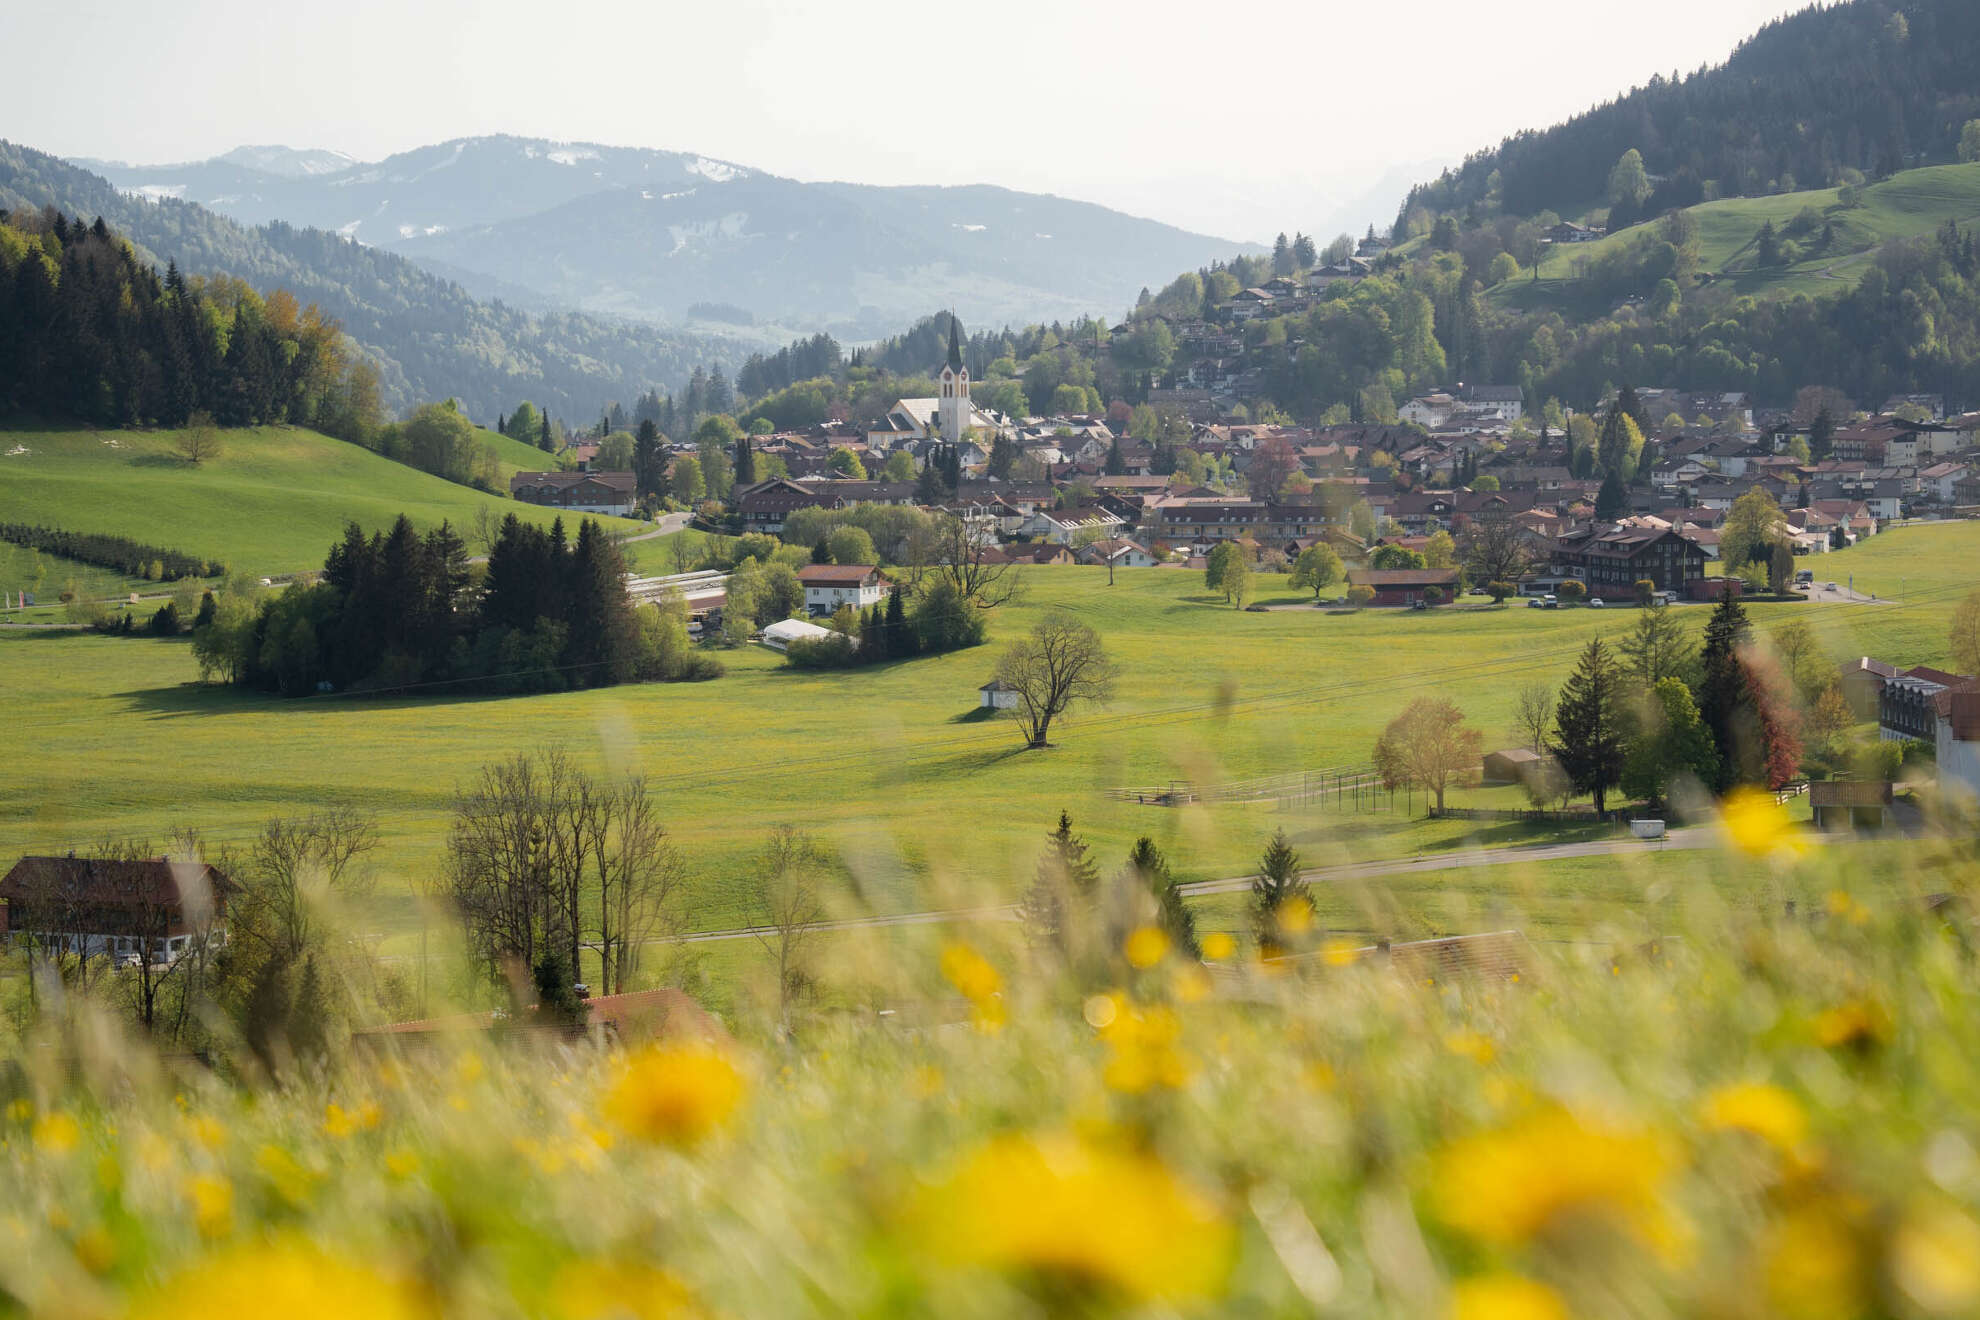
(955, 411)
(955, 346)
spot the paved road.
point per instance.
(1697, 837)
(1819, 593)
(665, 524)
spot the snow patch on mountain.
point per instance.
(971, 229)
(714, 170)
(156, 192)
(571, 156)
(731, 225)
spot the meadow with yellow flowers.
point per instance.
(1767, 1109)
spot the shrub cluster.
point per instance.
(131, 558)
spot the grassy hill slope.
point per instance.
(514, 455)
(272, 502)
(1909, 204)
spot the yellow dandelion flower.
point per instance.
(1816, 1262)
(96, 1250)
(1845, 906)
(1218, 945)
(969, 972)
(1757, 826)
(1191, 984)
(1081, 1213)
(1759, 1108)
(56, 1134)
(1295, 916)
(290, 1179)
(1143, 1053)
(212, 1200)
(1338, 952)
(1518, 1182)
(1858, 1024)
(207, 1131)
(1147, 946)
(285, 1278)
(612, 1290)
(340, 1122)
(1470, 1045)
(675, 1094)
(401, 1164)
(1505, 1297)
(1935, 1258)
(468, 1069)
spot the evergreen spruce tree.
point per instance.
(1116, 462)
(1612, 501)
(1591, 724)
(543, 440)
(557, 1002)
(1725, 694)
(1148, 867)
(745, 462)
(1277, 884)
(900, 637)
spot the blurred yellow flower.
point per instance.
(1759, 1108)
(1191, 984)
(286, 1278)
(1295, 916)
(340, 1122)
(96, 1250)
(1338, 952)
(290, 1179)
(19, 1111)
(614, 1290)
(1470, 1045)
(1513, 1184)
(212, 1199)
(1857, 1024)
(969, 972)
(1757, 826)
(1079, 1212)
(1505, 1297)
(401, 1164)
(1146, 946)
(675, 1094)
(207, 1131)
(1935, 1258)
(1816, 1263)
(1143, 1049)
(977, 981)
(1218, 945)
(56, 1134)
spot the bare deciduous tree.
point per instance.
(791, 905)
(1533, 714)
(949, 548)
(1060, 663)
(199, 439)
(544, 857)
(640, 876)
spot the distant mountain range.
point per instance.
(651, 234)
(425, 334)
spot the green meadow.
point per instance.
(1909, 204)
(923, 803)
(271, 502)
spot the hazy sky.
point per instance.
(1238, 118)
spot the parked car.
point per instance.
(1254, 608)
(1805, 575)
(1550, 601)
(1533, 603)
(1595, 604)
(1418, 605)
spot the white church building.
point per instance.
(947, 418)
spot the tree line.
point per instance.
(399, 609)
(88, 331)
(131, 558)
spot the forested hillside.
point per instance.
(426, 336)
(1869, 87)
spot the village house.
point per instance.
(151, 909)
(1405, 586)
(1957, 738)
(1612, 558)
(829, 586)
(613, 493)
(1908, 705)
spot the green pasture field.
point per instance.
(271, 502)
(924, 804)
(1906, 205)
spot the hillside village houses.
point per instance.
(1080, 479)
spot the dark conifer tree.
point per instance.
(1591, 724)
